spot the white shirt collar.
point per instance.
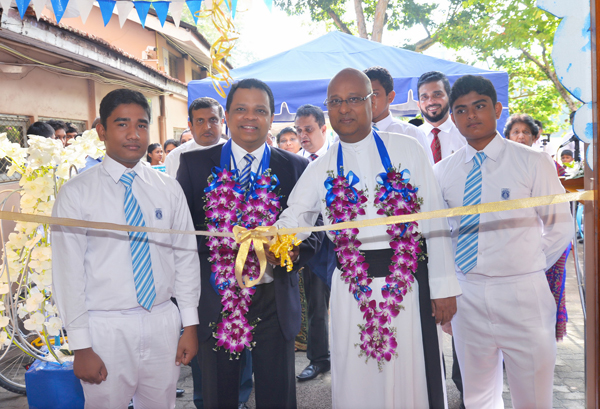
(446, 126)
(319, 153)
(360, 145)
(385, 122)
(492, 150)
(116, 170)
(239, 153)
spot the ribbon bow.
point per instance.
(281, 248)
(244, 239)
(352, 180)
(384, 181)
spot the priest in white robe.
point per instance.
(413, 378)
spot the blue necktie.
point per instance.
(468, 234)
(245, 174)
(140, 250)
(375, 126)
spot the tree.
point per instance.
(381, 14)
(517, 37)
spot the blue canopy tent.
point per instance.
(300, 76)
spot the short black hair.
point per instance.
(249, 83)
(538, 123)
(204, 102)
(523, 119)
(434, 76)
(181, 135)
(151, 149)
(41, 129)
(287, 129)
(470, 83)
(71, 127)
(567, 152)
(312, 110)
(170, 142)
(383, 76)
(122, 96)
(57, 124)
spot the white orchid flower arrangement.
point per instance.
(28, 316)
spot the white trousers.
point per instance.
(510, 318)
(138, 349)
(357, 384)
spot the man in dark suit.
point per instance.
(276, 302)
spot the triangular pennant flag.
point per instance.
(59, 7)
(194, 6)
(5, 4)
(176, 10)
(233, 8)
(38, 7)
(106, 7)
(84, 7)
(269, 4)
(142, 8)
(22, 6)
(161, 8)
(124, 8)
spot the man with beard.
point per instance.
(382, 83)
(443, 139)
(442, 136)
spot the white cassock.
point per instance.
(402, 382)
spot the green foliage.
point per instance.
(514, 36)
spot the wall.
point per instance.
(132, 38)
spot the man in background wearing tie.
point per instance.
(311, 128)
(443, 139)
(507, 311)
(441, 135)
(382, 83)
(114, 289)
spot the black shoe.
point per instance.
(242, 405)
(180, 392)
(312, 370)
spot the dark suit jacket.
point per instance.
(194, 169)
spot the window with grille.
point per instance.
(16, 130)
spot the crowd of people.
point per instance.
(367, 303)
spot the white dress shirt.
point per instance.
(390, 124)
(450, 137)
(307, 200)
(172, 159)
(322, 150)
(92, 269)
(511, 242)
(238, 154)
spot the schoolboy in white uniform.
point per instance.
(506, 311)
(114, 289)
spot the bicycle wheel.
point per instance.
(12, 370)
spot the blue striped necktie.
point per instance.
(245, 174)
(468, 234)
(140, 250)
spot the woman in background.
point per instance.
(155, 154)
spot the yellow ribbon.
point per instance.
(256, 237)
(284, 244)
(456, 211)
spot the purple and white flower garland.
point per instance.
(227, 205)
(394, 197)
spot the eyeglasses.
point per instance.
(352, 101)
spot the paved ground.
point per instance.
(568, 377)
